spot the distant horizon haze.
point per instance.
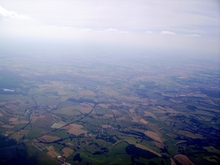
(189, 28)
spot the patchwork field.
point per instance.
(47, 138)
(75, 129)
(183, 159)
(109, 111)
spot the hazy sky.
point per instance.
(180, 25)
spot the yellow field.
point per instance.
(59, 124)
(134, 98)
(171, 135)
(110, 92)
(19, 122)
(158, 145)
(153, 101)
(143, 121)
(13, 119)
(33, 118)
(9, 132)
(86, 93)
(109, 115)
(179, 142)
(67, 152)
(146, 113)
(48, 138)
(135, 119)
(129, 140)
(69, 144)
(42, 116)
(85, 108)
(172, 162)
(148, 149)
(61, 92)
(11, 107)
(8, 126)
(51, 85)
(116, 113)
(105, 126)
(121, 118)
(183, 159)
(132, 111)
(190, 135)
(71, 110)
(118, 141)
(153, 135)
(18, 135)
(75, 129)
(175, 101)
(52, 152)
(104, 105)
(40, 146)
(3, 103)
(170, 110)
(212, 149)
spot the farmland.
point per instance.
(103, 110)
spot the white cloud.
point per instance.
(112, 30)
(167, 32)
(193, 35)
(171, 22)
(64, 28)
(124, 32)
(117, 31)
(50, 27)
(149, 32)
(67, 27)
(86, 30)
(11, 15)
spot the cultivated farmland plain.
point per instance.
(102, 110)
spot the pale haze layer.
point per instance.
(106, 27)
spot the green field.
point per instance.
(108, 112)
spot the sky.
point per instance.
(180, 26)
